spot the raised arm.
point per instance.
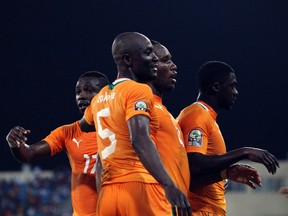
(146, 150)
(240, 173)
(22, 152)
(212, 163)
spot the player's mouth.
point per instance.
(83, 104)
(154, 68)
(173, 78)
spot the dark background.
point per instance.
(46, 45)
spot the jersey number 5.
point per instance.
(106, 133)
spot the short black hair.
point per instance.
(96, 74)
(211, 72)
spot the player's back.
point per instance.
(112, 108)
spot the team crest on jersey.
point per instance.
(195, 138)
(141, 105)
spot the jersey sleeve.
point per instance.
(56, 140)
(195, 131)
(140, 101)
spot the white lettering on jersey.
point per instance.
(105, 97)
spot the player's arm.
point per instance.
(22, 152)
(139, 130)
(198, 181)
(99, 170)
(240, 173)
(85, 127)
(212, 163)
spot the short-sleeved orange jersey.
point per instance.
(202, 134)
(81, 149)
(170, 145)
(110, 110)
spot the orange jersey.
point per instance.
(110, 110)
(170, 145)
(81, 149)
(202, 134)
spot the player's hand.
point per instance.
(17, 136)
(264, 157)
(178, 200)
(244, 174)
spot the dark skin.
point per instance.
(86, 89)
(166, 72)
(134, 57)
(222, 96)
(166, 82)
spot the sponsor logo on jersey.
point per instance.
(195, 138)
(141, 105)
(105, 97)
(77, 142)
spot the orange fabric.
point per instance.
(114, 105)
(202, 134)
(133, 198)
(203, 213)
(170, 145)
(81, 149)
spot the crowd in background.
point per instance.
(38, 197)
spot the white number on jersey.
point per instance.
(106, 133)
(87, 163)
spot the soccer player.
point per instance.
(80, 147)
(209, 162)
(169, 139)
(133, 176)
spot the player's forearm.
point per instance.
(99, 170)
(203, 180)
(22, 154)
(27, 153)
(213, 163)
(150, 158)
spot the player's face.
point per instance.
(228, 92)
(144, 64)
(166, 70)
(86, 89)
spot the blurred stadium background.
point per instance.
(36, 192)
(46, 45)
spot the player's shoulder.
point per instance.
(136, 85)
(195, 108)
(193, 111)
(132, 87)
(71, 127)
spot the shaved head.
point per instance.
(126, 43)
(134, 57)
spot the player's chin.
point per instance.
(153, 74)
(82, 109)
(171, 87)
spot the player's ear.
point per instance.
(127, 60)
(215, 87)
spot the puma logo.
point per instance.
(77, 142)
